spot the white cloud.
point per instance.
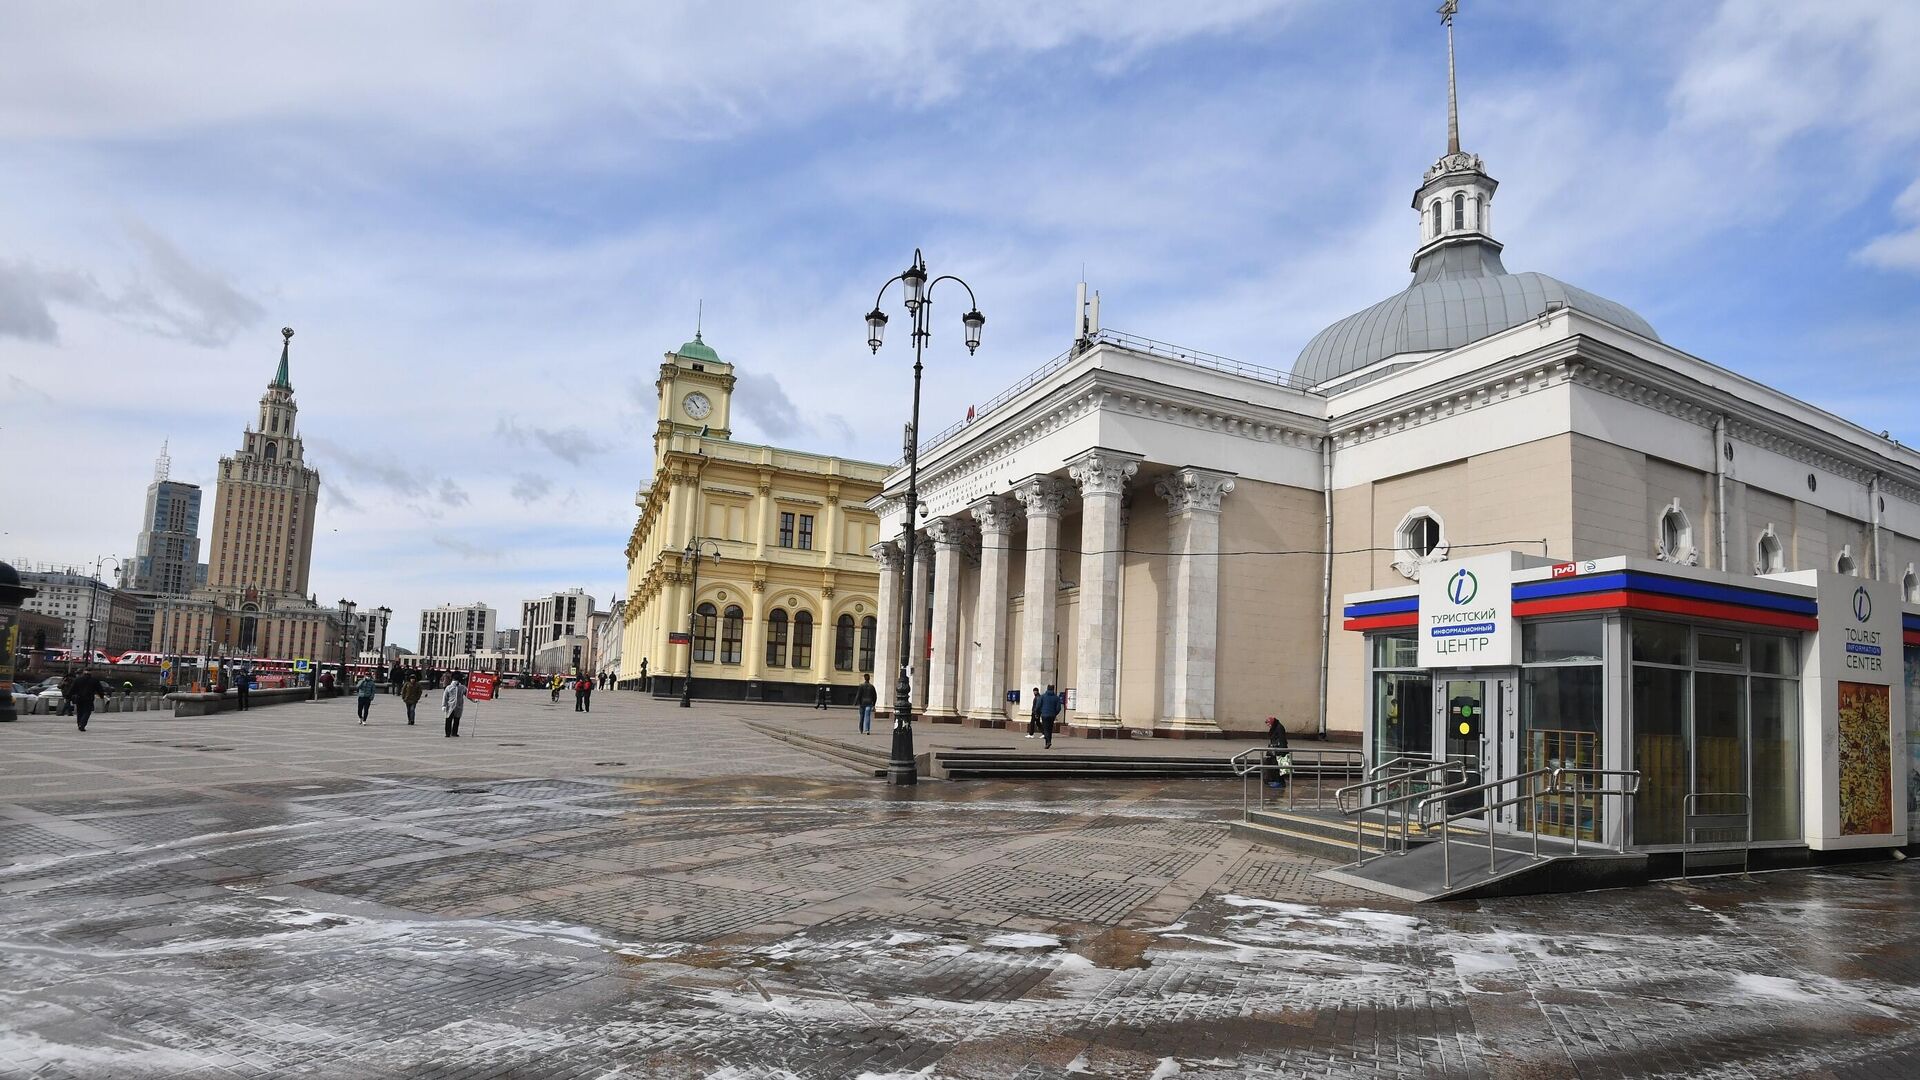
(1899, 250)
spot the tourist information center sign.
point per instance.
(1466, 613)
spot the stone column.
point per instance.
(753, 638)
(986, 704)
(951, 536)
(1193, 511)
(1045, 499)
(1102, 476)
(886, 648)
(922, 595)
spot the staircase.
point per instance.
(1057, 764)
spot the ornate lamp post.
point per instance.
(917, 294)
(346, 634)
(93, 605)
(696, 547)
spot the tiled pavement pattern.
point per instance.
(526, 916)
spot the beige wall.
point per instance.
(1144, 588)
(1269, 644)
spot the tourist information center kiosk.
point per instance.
(1782, 698)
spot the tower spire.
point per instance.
(280, 380)
(699, 317)
(1447, 11)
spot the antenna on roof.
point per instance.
(162, 465)
(1086, 316)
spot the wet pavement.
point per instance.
(654, 892)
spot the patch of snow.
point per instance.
(1079, 1064)
(1022, 941)
(1167, 1067)
(1301, 910)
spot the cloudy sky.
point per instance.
(488, 221)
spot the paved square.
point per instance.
(650, 891)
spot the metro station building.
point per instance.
(1192, 544)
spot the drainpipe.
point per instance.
(1720, 492)
(1873, 540)
(1326, 570)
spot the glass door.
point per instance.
(1475, 731)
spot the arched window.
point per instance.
(843, 644)
(1910, 586)
(1845, 564)
(730, 627)
(1480, 212)
(272, 451)
(1769, 556)
(1435, 209)
(777, 638)
(803, 639)
(1459, 210)
(703, 621)
(870, 627)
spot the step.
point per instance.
(871, 763)
(1314, 844)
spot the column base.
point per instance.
(989, 720)
(1100, 727)
(1189, 727)
(942, 718)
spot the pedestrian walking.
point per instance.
(410, 696)
(81, 690)
(865, 699)
(1049, 712)
(583, 695)
(820, 696)
(364, 692)
(1279, 763)
(555, 697)
(66, 695)
(453, 701)
(645, 683)
(243, 689)
(1033, 715)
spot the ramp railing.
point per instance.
(1397, 788)
(1530, 791)
(1315, 765)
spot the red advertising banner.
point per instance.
(483, 685)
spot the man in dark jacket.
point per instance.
(85, 688)
(865, 698)
(1033, 715)
(1049, 712)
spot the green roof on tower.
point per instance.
(698, 350)
(280, 380)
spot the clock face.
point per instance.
(697, 405)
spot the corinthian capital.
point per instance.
(995, 515)
(1191, 490)
(1043, 496)
(951, 532)
(1103, 472)
(887, 554)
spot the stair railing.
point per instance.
(1402, 787)
(1250, 766)
(1566, 781)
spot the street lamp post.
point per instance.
(696, 547)
(917, 293)
(346, 634)
(93, 603)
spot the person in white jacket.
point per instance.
(452, 702)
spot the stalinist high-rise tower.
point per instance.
(262, 542)
(256, 600)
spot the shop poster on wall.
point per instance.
(1866, 760)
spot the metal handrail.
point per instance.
(1325, 760)
(1556, 785)
(1745, 817)
(1359, 811)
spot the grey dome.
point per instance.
(1460, 294)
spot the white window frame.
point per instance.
(1845, 563)
(1408, 561)
(1683, 552)
(1763, 565)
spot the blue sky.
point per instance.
(488, 222)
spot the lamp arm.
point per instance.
(971, 302)
(884, 286)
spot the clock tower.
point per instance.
(696, 394)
